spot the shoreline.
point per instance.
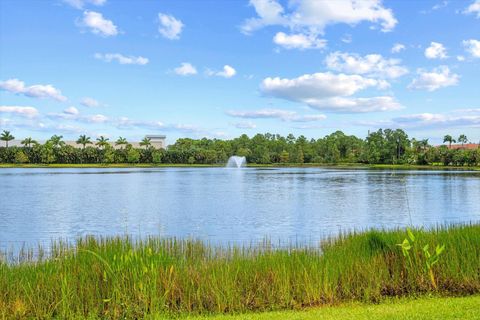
(354, 166)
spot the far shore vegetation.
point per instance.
(383, 147)
(120, 277)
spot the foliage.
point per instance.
(380, 147)
(113, 278)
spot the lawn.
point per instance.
(400, 309)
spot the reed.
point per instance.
(124, 278)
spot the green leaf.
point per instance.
(411, 235)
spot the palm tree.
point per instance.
(120, 142)
(6, 136)
(424, 144)
(102, 142)
(57, 141)
(27, 142)
(83, 140)
(145, 142)
(462, 139)
(448, 138)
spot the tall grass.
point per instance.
(120, 278)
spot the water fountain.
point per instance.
(236, 162)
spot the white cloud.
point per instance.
(437, 120)
(331, 92)
(35, 91)
(283, 115)
(299, 41)
(185, 69)
(460, 58)
(371, 64)
(27, 112)
(90, 102)
(71, 110)
(227, 72)
(109, 57)
(98, 24)
(438, 78)
(473, 47)
(436, 51)
(79, 4)
(313, 16)
(398, 47)
(245, 125)
(170, 27)
(97, 118)
(473, 8)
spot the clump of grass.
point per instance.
(120, 278)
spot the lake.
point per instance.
(226, 206)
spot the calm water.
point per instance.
(226, 205)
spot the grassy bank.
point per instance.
(252, 165)
(464, 308)
(116, 277)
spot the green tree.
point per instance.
(133, 156)
(448, 138)
(121, 142)
(21, 157)
(284, 156)
(83, 140)
(6, 136)
(27, 142)
(56, 141)
(462, 139)
(146, 142)
(102, 142)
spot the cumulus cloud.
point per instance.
(398, 47)
(35, 91)
(473, 8)
(109, 57)
(436, 50)
(185, 69)
(169, 27)
(299, 41)
(283, 115)
(245, 125)
(71, 110)
(98, 24)
(227, 72)
(311, 17)
(27, 112)
(79, 4)
(331, 92)
(439, 77)
(371, 64)
(473, 47)
(90, 102)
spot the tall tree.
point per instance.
(121, 142)
(462, 139)
(6, 136)
(102, 142)
(84, 140)
(145, 142)
(27, 142)
(448, 138)
(57, 141)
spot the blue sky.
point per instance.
(223, 68)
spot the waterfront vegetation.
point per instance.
(383, 147)
(124, 278)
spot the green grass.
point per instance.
(464, 308)
(118, 277)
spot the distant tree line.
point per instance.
(381, 147)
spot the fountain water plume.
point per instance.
(236, 162)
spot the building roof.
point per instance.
(467, 146)
(155, 136)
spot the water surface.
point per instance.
(226, 205)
